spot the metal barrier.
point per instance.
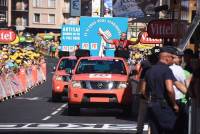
(12, 84)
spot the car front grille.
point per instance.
(100, 85)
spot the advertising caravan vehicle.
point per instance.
(62, 76)
(100, 82)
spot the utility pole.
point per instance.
(191, 29)
(102, 8)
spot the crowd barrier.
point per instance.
(12, 84)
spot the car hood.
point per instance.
(100, 77)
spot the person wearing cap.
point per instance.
(158, 83)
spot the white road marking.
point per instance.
(55, 112)
(59, 109)
(64, 105)
(73, 126)
(25, 126)
(46, 118)
(27, 98)
(6, 126)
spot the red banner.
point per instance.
(7, 36)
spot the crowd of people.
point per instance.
(48, 47)
(12, 57)
(27, 52)
(166, 84)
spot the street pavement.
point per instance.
(34, 112)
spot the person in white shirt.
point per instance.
(180, 76)
(180, 96)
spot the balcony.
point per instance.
(21, 22)
(20, 6)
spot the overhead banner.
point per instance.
(96, 8)
(75, 7)
(70, 37)
(108, 9)
(110, 27)
(134, 8)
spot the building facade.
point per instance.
(3, 13)
(36, 15)
(49, 15)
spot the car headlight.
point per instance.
(76, 84)
(122, 85)
(58, 77)
(110, 85)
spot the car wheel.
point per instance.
(56, 97)
(73, 109)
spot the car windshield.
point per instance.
(67, 64)
(101, 66)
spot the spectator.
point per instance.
(188, 56)
(143, 105)
(53, 49)
(180, 96)
(158, 83)
(195, 95)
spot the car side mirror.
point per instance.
(54, 69)
(73, 71)
(69, 71)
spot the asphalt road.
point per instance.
(34, 112)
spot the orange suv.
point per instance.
(100, 81)
(62, 76)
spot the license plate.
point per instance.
(99, 99)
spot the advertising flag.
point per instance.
(70, 37)
(110, 27)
